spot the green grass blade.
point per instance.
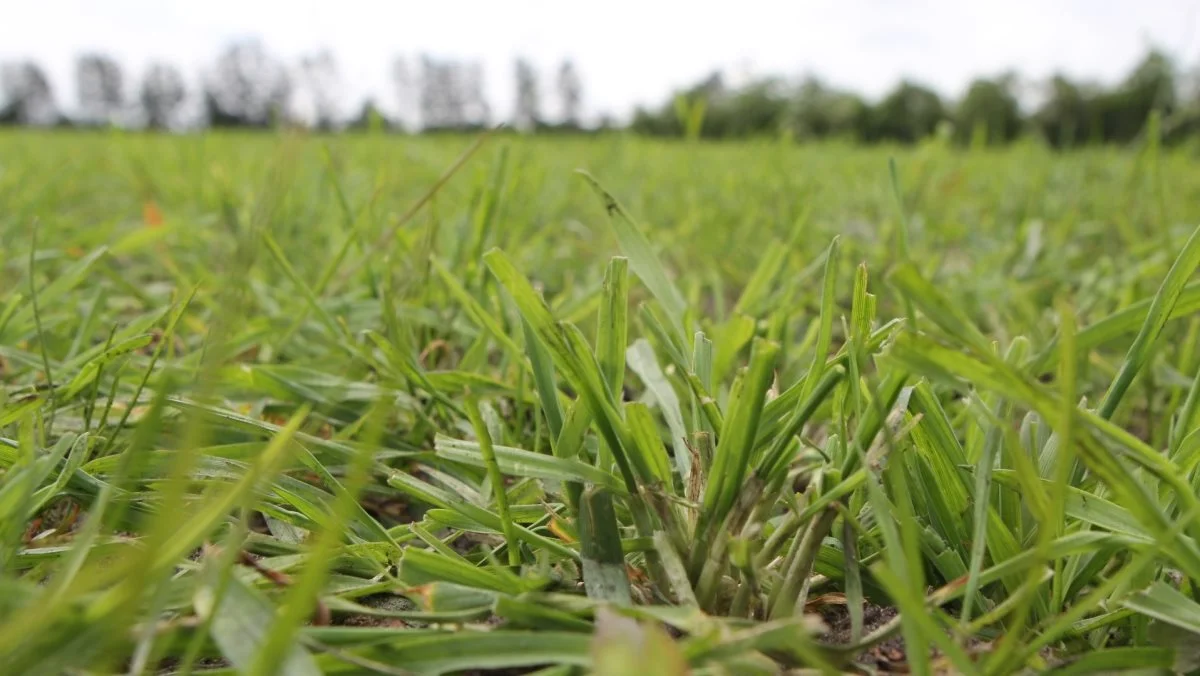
(734, 454)
(753, 300)
(642, 259)
(478, 313)
(497, 480)
(520, 463)
(239, 628)
(544, 381)
(641, 360)
(612, 326)
(1159, 313)
(603, 560)
(825, 332)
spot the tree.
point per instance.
(470, 80)
(710, 87)
(101, 88)
(27, 96)
(1184, 122)
(451, 95)
(527, 114)
(323, 86)
(1064, 118)
(570, 93)
(436, 98)
(371, 118)
(759, 108)
(990, 108)
(246, 87)
(908, 114)
(1153, 81)
(1122, 113)
(683, 108)
(408, 92)
(818, 111)
(655, 123)
(161, 94)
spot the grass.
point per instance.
(358, 404)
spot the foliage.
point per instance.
(451, 95)
(1070, 114)
(289, 404)
(248, 87)
(101, 88)
(322, 87)
(162, 94)
(1064, 119)
(989, 112)
(570, 93)
(1073, 114)
(26, 97)
(528, 108)
(818, 112)
(907, 114)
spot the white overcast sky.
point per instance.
(629, 51)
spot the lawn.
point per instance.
(377, 404)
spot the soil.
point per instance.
(888, 656)
(390, 602)
(171, 665)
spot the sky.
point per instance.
(629, 52)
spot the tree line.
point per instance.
(990, 111)
(247, 86)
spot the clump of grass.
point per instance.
(295, 424)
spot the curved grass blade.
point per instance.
(641, 360)
(645, 264)
(1159, 313)
(521, 463)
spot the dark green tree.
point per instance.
(818, 111)
(671, 118)
(908, 114)
(370, 118)
(989, 111)
(1121, 114)
(1065, 118)
(758, 109)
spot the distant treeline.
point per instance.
(1066, 113)
(248, 87)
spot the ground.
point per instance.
(250, 377)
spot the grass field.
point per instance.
(307, 405)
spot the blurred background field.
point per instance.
(1008, 230)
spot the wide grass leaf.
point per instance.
(1165, 603)
(520, 463)
(240, 620)
(441, 652)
